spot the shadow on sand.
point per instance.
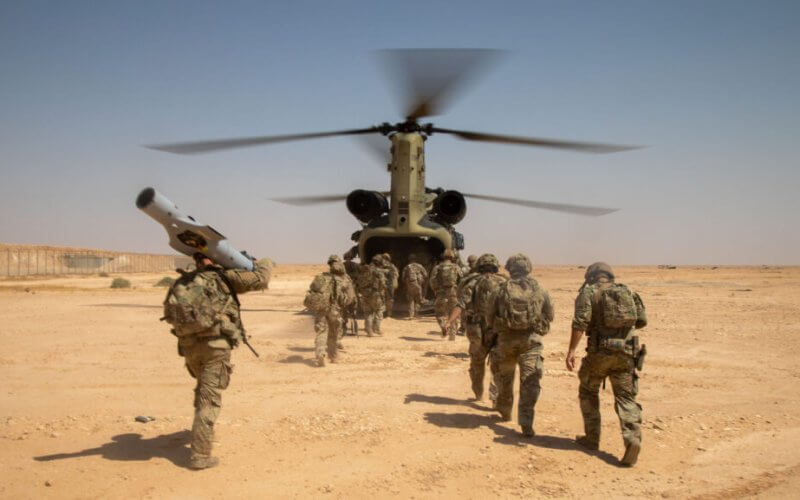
(131, 447)
(504, 435)
(298, 359)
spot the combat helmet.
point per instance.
(336, 265)
(594, 270)
(449, 255)
(487, 262)
(518, 265)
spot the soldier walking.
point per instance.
(203, 308)
(523, 312)
(415, 280)
(609, 313)
(330, 295)
(390, 278)
(371, 293)
(444, 283)
(476, 295)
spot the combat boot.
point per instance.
(320, 362)
(587, 443)
(201, 462)
(631, 454)
(527, 431)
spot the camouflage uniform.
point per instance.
(415, 279)
(338, 291)
(390, 277)
(208, 353)
(370, 286)
(518, 344)
(607, 358)
(444, 283)
(476, 293)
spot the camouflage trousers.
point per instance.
(525, 349)
(329, 329)
(212, 368)
(414, 298)
(446, 301)
(595, 367)
(480, 347)
(373, 313)
(388, 299)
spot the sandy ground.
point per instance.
(79, 361)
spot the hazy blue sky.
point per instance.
(710, 86)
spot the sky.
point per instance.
(709, 87)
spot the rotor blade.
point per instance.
(558, 207)
(584, 147)
(378, 146)
(302, 201)
(194, 147)
(429, 78)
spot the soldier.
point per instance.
(608, 313)
(476, 296)
(444, 283)
(471, 261)
(415, 279)
(203, 308)
(330, 295)
(523, 312)
(390, 276)
(371, 292)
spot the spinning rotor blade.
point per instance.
(194, 147)
(584, 147)
(301, 201)
(558, 207)
(430, 78)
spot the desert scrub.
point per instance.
(120, 283)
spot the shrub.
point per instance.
(166, 281)
(103, 275)
(120, 283)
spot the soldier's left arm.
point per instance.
(247, 281)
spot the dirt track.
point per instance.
(720, 391)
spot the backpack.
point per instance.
(618, 306)
(318, 298)
(447, 277)
(485, 290)
(195, 304)
(520, 305)
(413, 275)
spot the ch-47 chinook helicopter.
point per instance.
(414, 218)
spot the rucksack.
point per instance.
(520, 305)
(318, 298)
(447, 276)
(618, 306)
(485, 290)
(413, 275)
(195, 304)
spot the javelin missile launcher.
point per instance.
(188, 236)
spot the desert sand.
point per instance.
(79, 361)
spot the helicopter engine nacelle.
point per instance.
(367, 205)
(450, 207)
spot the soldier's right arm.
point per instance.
(247, 281)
